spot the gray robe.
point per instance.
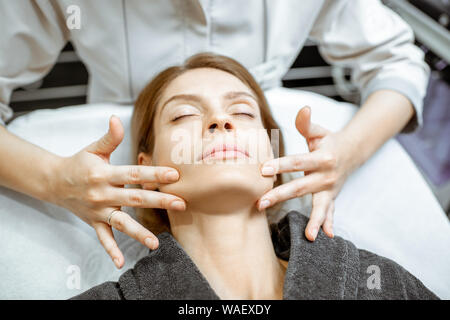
(324, 269)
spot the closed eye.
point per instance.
(245, 114)
(188, 115)
(179, 117)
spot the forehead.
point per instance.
(207, 82)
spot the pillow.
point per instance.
(385, 206)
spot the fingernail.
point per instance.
(264, 204)
(314, 233)
(177, 205)
(268, 171)
(172, 175)
(149, 243)
(116, 262)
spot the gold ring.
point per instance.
(111, 215)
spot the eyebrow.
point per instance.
(195, 98)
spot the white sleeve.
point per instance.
(31, 38)
(377, 45)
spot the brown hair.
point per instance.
(143, 137)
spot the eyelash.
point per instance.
(245, 114)
(186, 115)
(239, 113)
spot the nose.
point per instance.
(220, 124)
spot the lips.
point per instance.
(223, 148)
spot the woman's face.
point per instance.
(199, 112)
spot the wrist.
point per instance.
(352, 152)
(52, 176)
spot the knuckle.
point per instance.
(299, 190)
(144, 234)
(95, 175)
(136, 198)
(330, 160)
(160, 174)
(104, 141)
(297, 163)
(163, 202)
(149, 186)
(330, 180)
(120, 221)
(134, 175)
(94, 196)
(140, 234)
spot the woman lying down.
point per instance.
(209, 119)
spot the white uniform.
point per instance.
(125, 43)
(385, 206)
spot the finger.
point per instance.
(298, 162)
(303, 120)
(109, 142)
(321, 202)
(313, 144)
(306, 128)
(316, 131)
(328, 224)
(106, 237)
(292, 189)
(126, 224)
(132, 197)
(150, 186)
(141, 174)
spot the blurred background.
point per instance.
(66, 84)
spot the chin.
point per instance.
(224, 186)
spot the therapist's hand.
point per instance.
(89, 186)
(326, 168)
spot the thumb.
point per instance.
(303, 121)
(308, 129)
(109, 142)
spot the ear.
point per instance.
(144, 159)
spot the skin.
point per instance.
(87, 185)
(335, 155)
(221, 229)
(90, 187)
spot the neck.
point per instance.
(233, 250)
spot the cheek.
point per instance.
(168, 150)
(178, 146)
(262, 150)
(197, 180)
(208, 182)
